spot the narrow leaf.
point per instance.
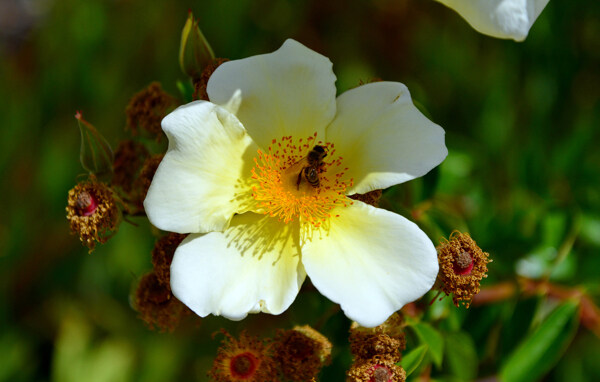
(413, 359)
(541, 349)
(461, 355)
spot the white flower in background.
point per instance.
(499, 18)
(233, 177)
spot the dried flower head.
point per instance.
(146, 174)
(247, 359)
(156, 304)
(301, 352)
(129, 157)
(200, 85)
(462, 266)
(147, 108)
(371, 197)
(162, 255)
(386, 339)
(92, 212)
(377, 369)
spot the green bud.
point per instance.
(95, 154)
(195, 52)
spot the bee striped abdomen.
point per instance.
(312, 176)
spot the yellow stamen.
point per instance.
(282, 191)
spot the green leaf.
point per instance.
(186, 89)
(431, 337)
(542, 348)
(461, 355)
(95, 154)
(413, 359)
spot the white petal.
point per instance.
(371, 262)
(499, 18)
(199, 184)
(253, 266)
(288, 92)
(383, 138)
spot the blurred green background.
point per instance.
(522, 127)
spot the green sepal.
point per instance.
(96, 155)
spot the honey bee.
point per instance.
(311, 166)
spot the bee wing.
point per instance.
(298, 166)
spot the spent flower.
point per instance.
(156, 305)
(260, 177)
(301, 353)
(462, 266)
(92, 212)
(377, 369)
(245, 359)
(386, 339)
(147, 108)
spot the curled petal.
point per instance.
(288, 92)
(200, 183)
(510, 19)
(383, 138)
(252, 266)
(370, 261)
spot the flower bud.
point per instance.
(195, 52)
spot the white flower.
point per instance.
(499, 18)
(231, 178)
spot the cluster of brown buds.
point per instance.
(153, 299)
(295, 355)
(94, 206)
(377, 351)
(117, 182)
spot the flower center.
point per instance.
(86, 203)
(243, 365)
(300, 179)
(464, 264)
(381, 374)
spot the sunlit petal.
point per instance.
(253, 266)
(288, 92)
(370, 261)
(383, 138)
(201, 182)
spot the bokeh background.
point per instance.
(522, 126)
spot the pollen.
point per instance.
(284, 191)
